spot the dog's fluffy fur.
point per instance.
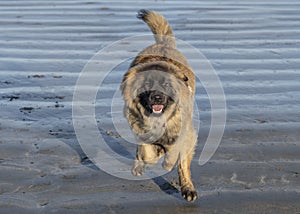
(158, 90)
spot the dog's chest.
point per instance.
(162, 131)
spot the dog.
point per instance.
(158, 91)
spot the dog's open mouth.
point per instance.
(157, 109)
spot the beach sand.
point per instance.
(254, 48)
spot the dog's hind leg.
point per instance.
(171, 159)
(146, 154)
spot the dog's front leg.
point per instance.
(188, 191)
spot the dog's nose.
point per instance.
(156, 97)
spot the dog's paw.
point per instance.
(138, 169)
(167, 166)
(189, 194)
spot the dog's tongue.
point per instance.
(157, 108)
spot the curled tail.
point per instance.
(159, 26)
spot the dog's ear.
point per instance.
(127, 80)
(182, 76)
(185, 79)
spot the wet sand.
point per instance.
(254, 48)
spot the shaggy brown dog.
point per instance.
(158, 90)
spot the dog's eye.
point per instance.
(166, 85)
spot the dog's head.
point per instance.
(156, 91)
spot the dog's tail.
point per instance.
(159, 26)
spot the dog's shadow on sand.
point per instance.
(166, 186)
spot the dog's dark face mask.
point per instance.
(156, 94)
